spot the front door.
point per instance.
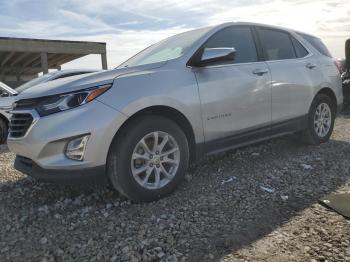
(236, 96)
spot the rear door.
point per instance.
(295, 76)
(235, 96)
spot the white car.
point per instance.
(6, 99)
(7, 94)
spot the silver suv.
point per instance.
(197, 93)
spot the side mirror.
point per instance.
(347, 55)
(217, 55)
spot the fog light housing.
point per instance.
(75, 148)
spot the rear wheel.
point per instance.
(149, 159)
(320, 120)
(3, 131)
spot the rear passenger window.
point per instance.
(299, 49)
(238, 37)
(277, 45)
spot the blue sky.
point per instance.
(127, 26)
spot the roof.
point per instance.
(23, 56)
(262, 25)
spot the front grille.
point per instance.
(19, 124)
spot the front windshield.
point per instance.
(168, 49)
(34, 82)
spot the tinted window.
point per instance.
(299, 49)
(277, 45)
(238, 37)
(317, 44)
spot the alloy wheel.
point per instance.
(322, 119)
(155, 160)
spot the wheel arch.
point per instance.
(330, 93)
(4, 118)
(6, 121)
(171, 113)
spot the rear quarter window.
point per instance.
(317, 44)
(300, 51)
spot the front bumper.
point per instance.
(45, 142)
(93, 176)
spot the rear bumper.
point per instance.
(92, 175)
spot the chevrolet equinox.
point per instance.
(139, 125)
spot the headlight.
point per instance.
(59, 103)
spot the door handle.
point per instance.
(310, 65)
(260, 72)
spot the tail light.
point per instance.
(338, 66)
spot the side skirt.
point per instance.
(252, 136)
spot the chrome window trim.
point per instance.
(258, 62)
(228, 65)
(290, 59)
(291, 34)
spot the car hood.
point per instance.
(79, 82)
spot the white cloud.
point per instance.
(327, 19)
(127, 26)
(122, 46)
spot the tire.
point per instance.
(3, 131)
(128, 155)
(310, 135)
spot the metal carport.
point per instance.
(21, 59)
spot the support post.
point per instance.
(104, 61)
(18, 76)
(44, 63)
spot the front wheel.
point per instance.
(149, 158)
(3, 131)
(320, 120)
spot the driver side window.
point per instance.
(239, 37)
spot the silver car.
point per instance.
(197, 93)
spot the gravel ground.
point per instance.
(259, 203)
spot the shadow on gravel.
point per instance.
(252, 221)
(3, 149)
(345, 113)
(205, 219)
